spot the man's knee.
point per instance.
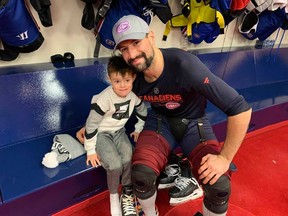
(217, 195)
(144, 181)
(201, 150)
(152, 151)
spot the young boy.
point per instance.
(106, 142)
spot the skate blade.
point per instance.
(196, 194)
(165, 186)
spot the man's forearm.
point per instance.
(236, 130)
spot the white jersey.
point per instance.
(110, 112)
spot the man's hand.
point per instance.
(94, 160)
(212, 167)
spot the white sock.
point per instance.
(206, 212)
(115, 208)
(148, 205)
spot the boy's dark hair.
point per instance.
(117, 64)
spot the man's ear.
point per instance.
(151, 36)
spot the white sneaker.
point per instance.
(115, 208)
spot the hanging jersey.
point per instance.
(200, 14)
(269, 22)
(17, 26)
(238, 4)
(277, 4)
(207, 32)
(221, 5)
(258, 5)
(250, 20)
(43, 9)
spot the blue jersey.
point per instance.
(184, 87)
(17, 26)
(268, 23)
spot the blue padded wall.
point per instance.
(244, 69)
(38, 103)
(261, 76)
(39, 99)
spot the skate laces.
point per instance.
(128, 204)
(183, 182)
(172, 170)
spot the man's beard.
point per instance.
(147, 63)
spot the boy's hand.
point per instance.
(94, 160)
(80, 135)
(135, 135)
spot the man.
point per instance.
(177, 85)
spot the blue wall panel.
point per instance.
(271, 67)
(244, 69)
(43, 102)
(240, 71)
(36, 102)
(216, 62)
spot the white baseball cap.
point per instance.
(129, 27)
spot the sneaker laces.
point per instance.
(61, 149)
(128, 204)
(183, 182)
(172, 170)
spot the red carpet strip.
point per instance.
(259, 187)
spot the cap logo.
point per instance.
(109, 42)
(123, 26)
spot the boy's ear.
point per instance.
(108, 78)
(134, 77)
